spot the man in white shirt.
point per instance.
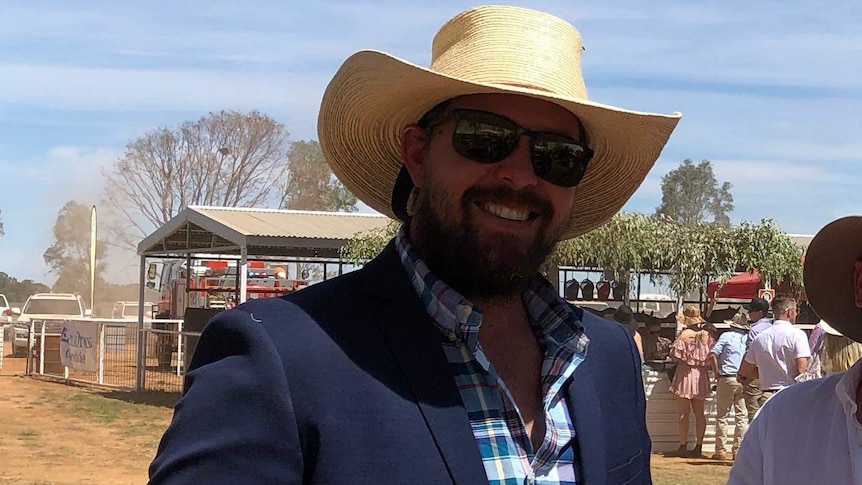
(811, 432)
(779, 353)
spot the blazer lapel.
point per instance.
(586, 414)
(416, 345)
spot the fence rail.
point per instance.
(153, 357)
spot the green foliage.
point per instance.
(691, 195)
(636, 242)
(18, 291)
(310, 182)
(368, 244)
(69, 255)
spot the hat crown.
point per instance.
(511, 46)
(691, 311)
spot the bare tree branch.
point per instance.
(225, 158)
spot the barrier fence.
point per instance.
(152, 358)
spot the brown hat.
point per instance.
(690, 316)
(740, 321)
(833, 275)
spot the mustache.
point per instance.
(501, 194)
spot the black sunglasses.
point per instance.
(485, 137)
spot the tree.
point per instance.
(226, 159)
(1, 226)
(18, 291)
(645, 244)
(310, 183)
(691, 195)
(69, 255)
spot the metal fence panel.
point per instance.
(160, 367)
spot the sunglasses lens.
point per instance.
(483, 137)
(489, 138)
(559, 160)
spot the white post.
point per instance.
(42, 351)
(243, 274)
(142, 336)
(31, 341)
(180, 339)
(101, 353)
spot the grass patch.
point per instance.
(28, 435)
(98, 408)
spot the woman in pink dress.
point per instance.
(692, 352)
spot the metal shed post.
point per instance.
(142, 349)
(243, 273)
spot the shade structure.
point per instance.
(742, 287)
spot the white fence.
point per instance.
(150, 358)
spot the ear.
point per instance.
(414, 147)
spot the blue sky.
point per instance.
(770, 91)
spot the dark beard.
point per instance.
(476, 268)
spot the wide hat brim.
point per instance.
(738, 325)
(828, 275)
(374, 95)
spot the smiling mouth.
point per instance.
(508, 213)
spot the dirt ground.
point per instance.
(61, 434)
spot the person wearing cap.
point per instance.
(780, 353)
(758, 317)
(448, 358)
(812, 432)
(728, 350)
(625, 317)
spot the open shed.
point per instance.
(246, 232)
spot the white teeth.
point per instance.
(507, 213)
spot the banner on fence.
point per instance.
(79, 345)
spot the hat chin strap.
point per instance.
(401, 194)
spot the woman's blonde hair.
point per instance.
(839, 354)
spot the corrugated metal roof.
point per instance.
(297, 224)
(261, 231)
(801, 239)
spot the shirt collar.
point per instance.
(551, 317)
(781, 322)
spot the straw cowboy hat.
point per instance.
(489, 49)
(690, 316)
(833, 275)
(740, 321)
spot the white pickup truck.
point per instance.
(45, 306)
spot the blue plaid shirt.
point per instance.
(507, 453)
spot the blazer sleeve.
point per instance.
(235, 421)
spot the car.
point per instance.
(6, 312)
(128, 310)
(45, 306)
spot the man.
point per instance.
(728, 351)
(810, 432)
(448, 358)
(758, 316)
(779, 353)
(626, 317)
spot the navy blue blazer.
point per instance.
(345, 382)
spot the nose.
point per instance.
(517, 169)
